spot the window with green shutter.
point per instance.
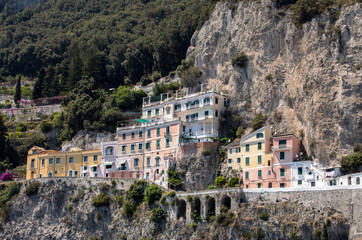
(149, 113)
(124, 148)
(140, 134)
(282, 155)
(247, 148)
(136, 162)
(247, 161)
(246, 175)
(148, 133)
(140, 146)
(158, 143)
(167, 130)
(132, 147)
(158, 131)
(148, 145)
(259, 159)
(300, 171)
(259, 173)
(157, 111)
(167, 142)
(259, 146)
(132, 135)
(124, 136)
(282, 173)
(239, 160)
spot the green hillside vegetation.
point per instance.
(115, 42)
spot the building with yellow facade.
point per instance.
(51, 163)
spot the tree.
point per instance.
(38, 86)
(17, 94)
(240, 132)
(220, 181)
(258, 121)
(3, 135)
(75, 69)
(153, 193)
(234, 182)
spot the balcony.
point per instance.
(148, 166)
(158, 147)
(148, 149)
(330, 174)
(123, 168)
(166, 134)
(282, 147)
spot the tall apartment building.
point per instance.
(148, 147)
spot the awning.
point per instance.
(122, 161)
(84, 171)
(108, 163)
(142, 120)
(93, 166)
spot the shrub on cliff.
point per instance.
(239, 60)
(128, 208)
(10, 191)
(220, 181)
(101, 200)
(264, 216)
(351, 163)
(136, 192)
(158, 215)
(234, 182)
(258, 121)
(7, 176)
(153, 193)
(32, 188)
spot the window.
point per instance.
(167, 130)
(312, 184)
(124, 136)
(282, 185)
(158, 144)
(300, 171)
(95, 158)
(148, 161)
(107, 174)
(32, 163)
(282, 173)
(149, 113)
(75, 173)
(71, 160)
(140, 134)
(94, 169)
(206, 101)
(85, 168)
(216, 100)
(177, 107)
(259, 135)
(230, 160)
(109, 166)
(259, 173)
(43, 162)
(50, 174)
(216, 113)
(148, 145)
(132, 135)
(55, 172)
(167, 142)
(157, 161)
(123, 167)
(157, 111)
(230, 151)
(259, 159)
(247, 148)
(259, 146)
(158, 132)
(70, 173)
(136, 162)
(132, 147)
(247, 161)
(149, 133)
(50, 161)
(282, 155)
(300, 182)
(85, 159)
(206, 114)
(282, 143)
(225, 102)
(124, 148)
(109, 151)
(147, 176)
(58, 161)
(358, 181)
(246, 175)
(268, 162)
(269, 172)
(239, 160)
(168, 110)
(140, 146)
(259, 185)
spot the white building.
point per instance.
(350, 179)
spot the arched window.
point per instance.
(216, 100)
(270, 185)
(168, 110)
(109, 151)
(50, 174)
(40, 176)
(70, 173)
(207, 101)
(268, 162)
(358, 181)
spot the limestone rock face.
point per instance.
(87, 141)
(308, 79)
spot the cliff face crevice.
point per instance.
(308, 79)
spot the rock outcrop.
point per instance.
(87, 141)
(308, 79)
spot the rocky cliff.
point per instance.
(308, 79)
(63, 210)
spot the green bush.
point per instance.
(153, 193)
(32, 188)
(45, 126)
(163, 200)
(264, 216)
(234, 182)
(158, 215)
(240, 131)
(128, 208)
(101, 200)
(316, 233)
(119, 200)
(171, 194)
(258, 121)
(220, 181)
(104, 186)
(70, 207)
(239, 60)
(76, 197)
(189, 198)
(136, 192)
(10, 190)
(206, 152)
(351, 162)
(357, 147)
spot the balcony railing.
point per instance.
(158, 147)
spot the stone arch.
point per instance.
(181, 209)
(210, 207)
(226, 201)
(270, 185)
(358, 181)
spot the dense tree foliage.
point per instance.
(114, 42)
